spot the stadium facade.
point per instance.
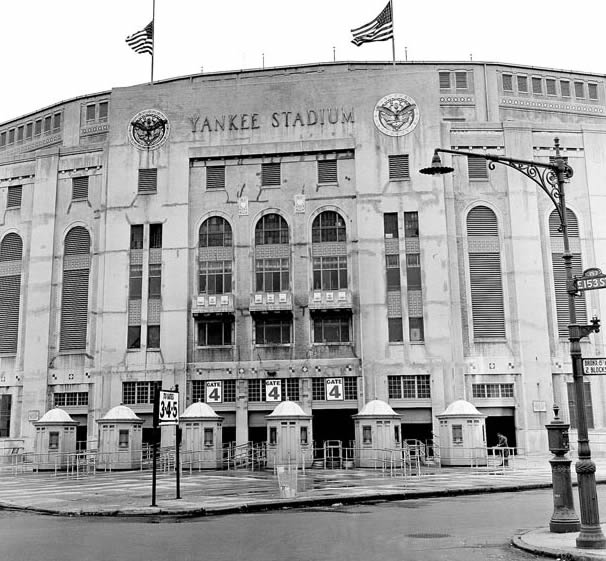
(263, 235)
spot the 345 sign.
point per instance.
(168, 412)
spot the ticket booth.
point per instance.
(120, 439)
(202, 437)
(378, 439)
(289, 437)
(55, 439)
(462, 435)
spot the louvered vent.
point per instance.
(215, 177)
(327, 171)
(572, 224)
(10, 291)
(444, 80)
(148, 180)
(74, 299)
(486, 295)
(477, 168)
(398, 167)
(270, 175)
(80, 188)
(14, 196)
(481, 221)
(11, 248)
(461, 80)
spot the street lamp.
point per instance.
(550, 177)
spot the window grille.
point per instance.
(330, 272)
(215, 277)
(80, 188)
(273, 329)
(148, 180)
(215, 232)
(327, 171)
(271, 229)
(350, 387)
(331, 327)
(318, 389)
(292, 389)
(485, 391)
(134, 393)
(272, 275)
(215, 332)
(70, 399)
(215, 177)
(13, 199)
(390, 224)
(270, 175)
(328, 226)
(417, 386)
(398, 167)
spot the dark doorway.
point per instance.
(333, 424)
(504, 425)
(257, 434)
(81, 435)
(229, 435)
(417, 431)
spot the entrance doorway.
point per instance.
(333, 424)
(503, 424)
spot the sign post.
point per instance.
(155, 439)
(169, 415)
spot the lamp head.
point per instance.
(436, 167)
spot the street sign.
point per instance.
(594, 366)
(214, 392)
(592, 279)
(334, 389)
(273, 390)
(168, 413)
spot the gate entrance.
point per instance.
(333, 424)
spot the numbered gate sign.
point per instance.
(169, 408)
(273, 390)
(334, 389)
(214, 392)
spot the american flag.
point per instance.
(142, 41)
(379, 29)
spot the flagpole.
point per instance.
(153, 39)
(393, 33)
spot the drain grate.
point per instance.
(427, 535)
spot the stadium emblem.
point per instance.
(148, 129)
(396, 114)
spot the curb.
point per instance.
(545, 551)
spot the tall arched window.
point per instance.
(74, 298)
(11, 250)
(272, 254)
(485, 279)
(559, 271)
(329, 251)
(215, 254)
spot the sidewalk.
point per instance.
(223, 492)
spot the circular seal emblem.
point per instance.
(148, 129)
(396, 114)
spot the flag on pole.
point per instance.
(143, 41)
(379, 29)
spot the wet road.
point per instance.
(472, 528)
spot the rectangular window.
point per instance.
(522, 84)
(215, 332)
(70, 399)
(409, 387)
(155, 281)
(461, 80)
(38, 127)
(29, 131)
(565, 88)
(136, 236)
(477, 168)
(537, 85)
(91, 113)
(215, 277)
(273, 329)
(444, 80)
(572, 404)
(507, 82)
(148, 180)
(2, 139)
(304, 436)
(330, 273)
(494, 391)
(53, 440)
(457, 434)
(593, 91)
(272, 275)
(155, 236)
(291, 389)
(254, 390)
(11, 136)
(390, 224)
(395, 331)
(331, 327)
(392, 263)
(135, 281)
(215, 177)
(134, 393)
(123, 438)
(411, 224)
(56, 122)
(80, 188)
(350, 387)
(366, 434)
(20, 131)
(413, 271)
(327, 171)
(399, 167)
(13, 199)
(153, 336)
(47, 124)
(134, 337)
(550, 86)
(273, 435)
(5, 415)
(270, 175)
(208, 437)
(103, 111)
(318, 389)
(416, 330)
(579, 90)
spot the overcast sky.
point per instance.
(52, 50)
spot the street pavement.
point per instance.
(202, 493)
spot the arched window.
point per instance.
(272, 254)
(559, 271)
(11, 250)
(74, 298)
(329, 251)
(215, 255)
(485, 279)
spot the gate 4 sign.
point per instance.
(273, 390)
(334, 389)
(214, 392)
(169, 408)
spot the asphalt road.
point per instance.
(470, 528)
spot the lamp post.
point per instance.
(551, 177)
